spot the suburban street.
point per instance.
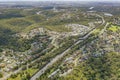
(17, 71)
(40, 72)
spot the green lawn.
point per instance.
(30, 71)
(114, 28)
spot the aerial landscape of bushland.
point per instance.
(59, 40)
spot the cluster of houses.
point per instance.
(77, 29)
(11, 60)
(107, 42)
(31, 33)
(67, 65)
(116, 21)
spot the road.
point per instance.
(102, 31)
(40, 72)
(8, 75)
(16, 71)
(87, 34)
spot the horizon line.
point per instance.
(59, 1)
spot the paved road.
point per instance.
(102, 31)
(40, 72)
(16, 71)
(87, 34)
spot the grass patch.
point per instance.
(96, 31)
(114, 28)
(30, 71)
